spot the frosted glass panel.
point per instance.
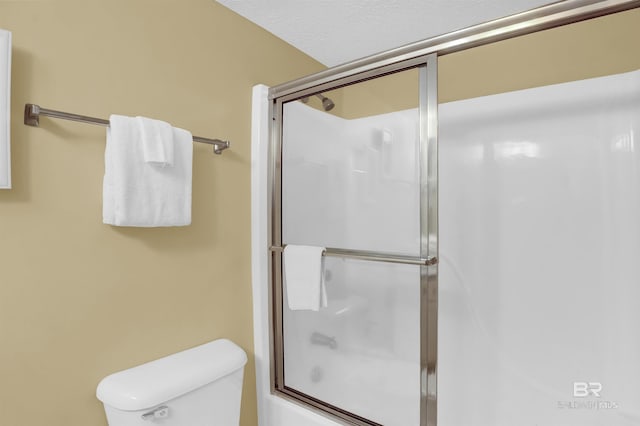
(362, 352)
(350, 180)
(539, 257)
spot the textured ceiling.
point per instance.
(338, 31)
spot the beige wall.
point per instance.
(594, 48)
(389, 93)
(79, 299)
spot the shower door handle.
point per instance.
(372, 256)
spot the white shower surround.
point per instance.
(539, 241)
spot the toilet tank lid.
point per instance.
(158, 381)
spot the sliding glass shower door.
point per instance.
(353, 181)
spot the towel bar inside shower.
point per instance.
(371, 256)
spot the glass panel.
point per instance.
(350, 175)
(362, 352)
(539, 249)
(350, 179)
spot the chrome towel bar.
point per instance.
(33, 112)
(372, 256)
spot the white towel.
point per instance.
(303, 277)
(157, 141)
(136, 193)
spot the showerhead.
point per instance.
(327, 104)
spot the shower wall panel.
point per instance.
(539, 257)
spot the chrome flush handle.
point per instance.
(157, 413)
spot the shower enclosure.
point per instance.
(480, 263)
(352, 181)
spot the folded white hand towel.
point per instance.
(157, 141)
(137, 193)
(304, 278)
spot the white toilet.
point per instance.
(197, 387)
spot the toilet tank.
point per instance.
(196, 387)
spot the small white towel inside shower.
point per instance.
(304, 277)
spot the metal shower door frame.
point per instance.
(428, 103)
